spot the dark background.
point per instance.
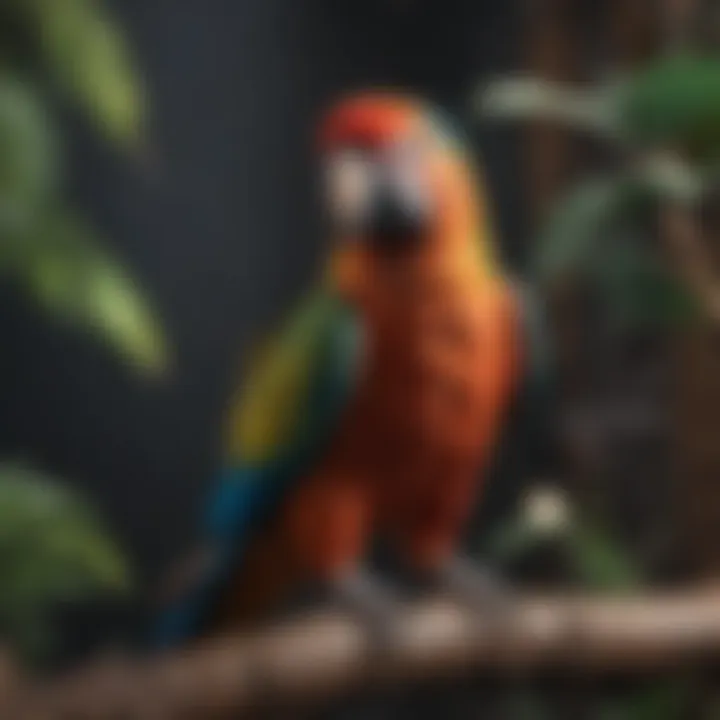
(217, 219)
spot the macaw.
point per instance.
(375, 409)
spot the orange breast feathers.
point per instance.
(441, 358)
(409, 456)
(441, 331)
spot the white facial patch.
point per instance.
(376, 191)
(350, 182)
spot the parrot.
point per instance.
(374, 409)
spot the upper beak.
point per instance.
(394, 220)
(377, 204)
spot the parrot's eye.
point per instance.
(349, 186)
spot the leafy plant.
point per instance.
(593, 557)
(663, 120)
(85, 53)
(598, 233)
(672, 101)
(71, 46)
(594, 560)
(52, 548)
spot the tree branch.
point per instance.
(317, 658)
(684, 238)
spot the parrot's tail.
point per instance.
(262, 583)
(182, 597)
(208, 601)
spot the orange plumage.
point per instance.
(405, 457)
(441, 357)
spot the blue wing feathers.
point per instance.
(233, 508)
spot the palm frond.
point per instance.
(87, 55)
(69, 273)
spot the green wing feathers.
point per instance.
(272, 404)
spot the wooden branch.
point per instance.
(680, 22)
(552, 45)
(634, 31)
(684, 239)
(317, 658)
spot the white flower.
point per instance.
(546, 510)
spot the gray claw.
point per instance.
(373, 603)
(475, 584)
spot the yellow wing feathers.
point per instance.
(264, 416)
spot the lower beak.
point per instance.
(394, 223)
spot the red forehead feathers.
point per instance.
(368, 120)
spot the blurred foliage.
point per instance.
(86, 54)
(72, 278)
(574, 234)
(662, 702)
(600, 562)
(599, 234)
(674, 102)
(664, 119)
(661, 123)
(590, 554)
(520, 98)
(52, 549)
(593, 559)
(71, 45)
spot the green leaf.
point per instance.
(87, 54)
(639, 289)
(52, 252)
(597, 561)
(675, 101)
(670, 178)
(596, 233)
(67, 271)
(672, 102)
(537, 99)
(41, 520)
(52, 547)
(578, 226)
(30, 159)
(602, 564)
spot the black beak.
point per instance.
(393, 222)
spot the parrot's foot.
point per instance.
(475, 584)
(375, 605)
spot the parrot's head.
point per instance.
(399, 189)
